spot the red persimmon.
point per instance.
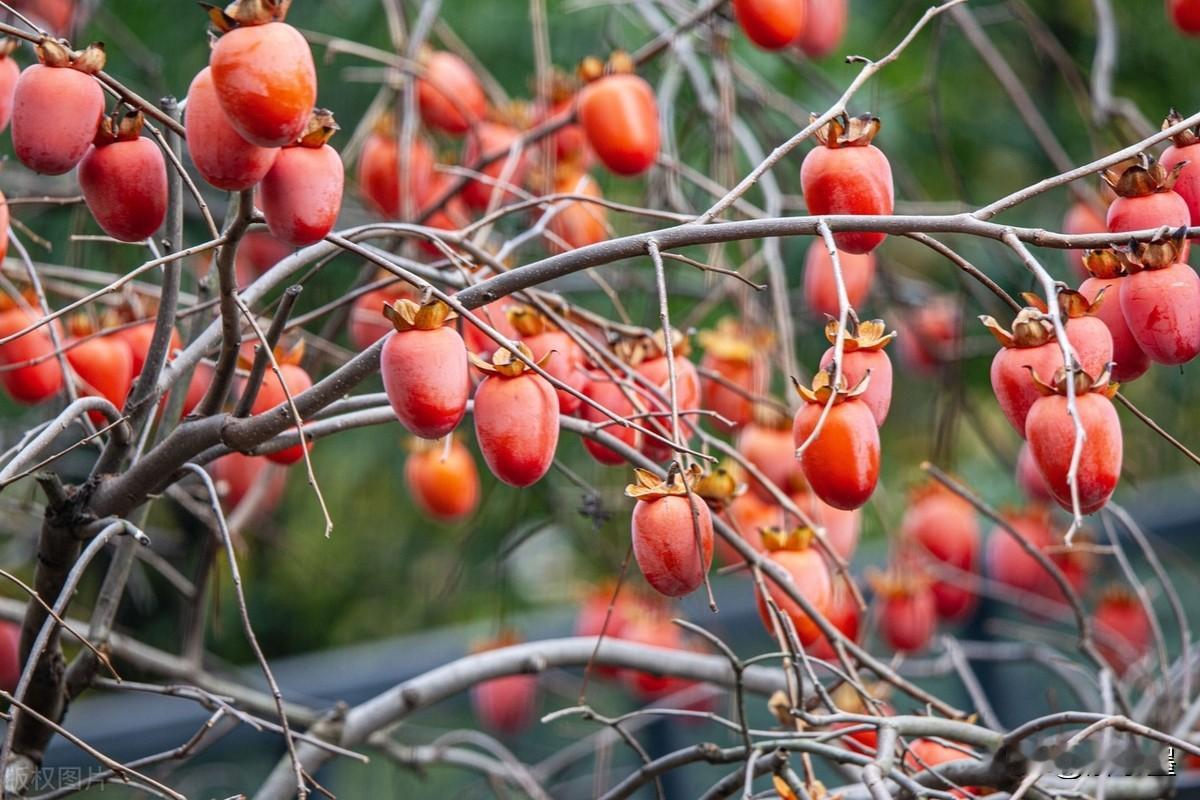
(863, 354)
(564, 359)
(619, 115)
(124, 180)
(222, 156)
(449, 94)
(272, 394)
(1108, 272)
(424, 369)
(808, 575)
(380, 173)
(824, 25)
(672, 533)
(771, 24)
(57, 107)
(738, 356)
(1161, 304)
(820, 283)
(301, 195)
(442, 479)
(846, 174)
(841, 461)
(516, 419)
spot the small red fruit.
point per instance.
(495, 315)
(449, 94)
(424, 369)
(10, 71)
(619, 115)
(905, 611)
(1108, 271)
(672, 532)
(809, 576)
(747, 515)
(103, 365)
(30, 371)
(367, 322)
(1030, 345)
(610, 394)
(493, 140)
(841, 462)
(846, 174)
(10, 656)
(262, 69)
(738, 356)
(771, 24)
(824, 25)
(57, 106)
(1051, 435)
(844, 615)
(302, 194)
(820, 283)
(1122, 629)
(237, 475)
(1146, 197)
(1008, 562)
(443, 479)
(862, 355)
(379, 171)
(564, 359)
(507, 705)
(768, 445)
(271, 394)
(655, 367)
(221, 155)
(138, 339)
(940, 525)
(124, 180)
(1185, 14)
(1082, 218)
(842, 527)
(575, 222)
(516, 419)
(1161, 304)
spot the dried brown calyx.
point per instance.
(847, 131)
(1029, 329)
(1071, 303)
(775, 538)
(1108, 263)
(719, 487)
(119, 127)
(730, 340)
(592, 68)
(526, 320)
(823, 389)
(869, 335)
(407, 315)
(1143, 177)
(1116, 594)
(563, 85)
(8, 46)
(636, 349)
(847, 697)
(319, 130)
(899, 580)
(1158, 253)
(1084, 383)
(1186, 137)
(53, 53)
(648, 486)
(506, 364)
(80, 325)
(245, 13)
(767, 416)
(292, 356)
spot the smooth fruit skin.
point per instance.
(236, 474)
(1013, 385)
(4, 219)
(1081, 218)
(842, 614)
(1130, 360)
(842, 527)
(1151, 211)
(1091, 342)
(855, 366)
(824, 25)
(565, 364)
(605, 391)
(56, 112)
(1162, 309)
(271, 394)
(302, 194)
(842, 462)
(1187, 185)
(820, 284)
(1029, 477)
(506, 705)
(810, 577)
(687, 397)
(747, 515)
(1122, 632)
(449, 95)
(516, 425)
(221, 155)
(490, 139)
(944, 526)
(10, 71)
(493, 314)
(770, 24)
(426, 377)
(125, 187)
(138, 339)
(1185, 14)
(379, 174)
(1051, 436)
(10, 656)
(104, 366)
(772, 452)
(1007, 560)
(257, 252)
(36, 382)
(849, 180)
(908, 621)
(619, 115)
(575, 222)
(723, 399)
(265, 81)
(673, 551)
(444, 485)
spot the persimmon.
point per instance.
(926, 754)
(1051, 434)
(905, 610)
(10, 656)
(367, 322)
(1029, 477)
(263, 72)
(738, 356)
(820, 283)
(1082, 218)
(10, 72)
(1091, 341)
(508, 704)
(841, 462)
(1146, 197)
(843, 614)
(222, 156)
(651, 625)
(424, 368)
(139, 337)
(379, 171)
(103, 364)
(1161, 303)
(29, 370)
(577, 223)
(1185, 14)
(124, 180)
(570, 142)
(449, 94)
(863, 354)
(846, 174)
(672, 532)
(771, 24)
(619, 115)
(940, 525)
(824, 26)
(769, 446)
(493, 314)
(1008, 561)
(748, 515)
(516, 418)
(842, 527)
(301, 195)
(801, 562)
(57, 107)
(493, 140)
(1122, 629)
(271, 394)
(1029, 345)
(442, 479)
(258, 252)
(4, 221)
(651, 362)
(607, 392)
(929, 334)
(236, 476)
(564, 359)
(1108, 271)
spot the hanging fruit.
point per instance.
(516, 418)
(841, 461)
(301, 195)
(424, 368)
(222, 155)
(862, 355)
(796, 554)
(619, 115)
(57, 107)
(124, 180)
(672, 531)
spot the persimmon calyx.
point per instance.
(319, 129)
(53, 53)
(897, 581)
(1108, 263)
(848, 698)
(731, 341)
(8, 46)
(245, 13)
(775, 538)
(846, 131)
(1071, 303)
(1084, 383)
(649, 486)
(1145, 176)
(635, 350)
(869, 335)
(506, 364)
(1029, 329)
(822, 388)
(119, 127)
(407, 315)
(1186, 137)
(1117, 594)
(719, 487)
(766, 416)
(526, 321)
(1158, 253)
(291, 356)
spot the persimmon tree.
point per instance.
(193, 393)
